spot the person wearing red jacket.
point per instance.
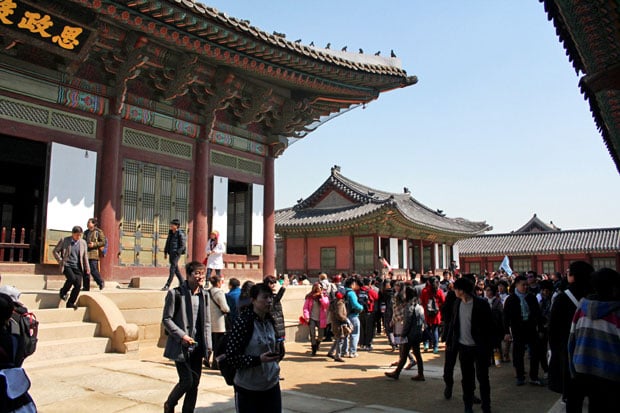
(432, 299)
(367, 317)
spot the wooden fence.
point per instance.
(12, 246)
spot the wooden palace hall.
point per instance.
(345, 226)
(138, 112)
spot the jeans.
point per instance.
(432, 334)
(354, 337)
(174, 268)
(266, 401)
(210, 270)
(404, 355)
(189, 378)
(475, 364)
(94, 270)
(338, 346)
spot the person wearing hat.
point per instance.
(71, 254)
(176, 245)
(215, 254)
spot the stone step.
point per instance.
(41, 299)
(69, 348)
(129, 298)
(151, 283)
(61, 315)
(24, 282)
(67, 330)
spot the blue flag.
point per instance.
(505, 265)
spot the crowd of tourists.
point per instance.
(567, 326)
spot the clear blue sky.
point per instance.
(496, 128)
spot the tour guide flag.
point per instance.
(505, 265)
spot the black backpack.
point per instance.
(363, 299)
(28, 331)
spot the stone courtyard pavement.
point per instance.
(141, 382)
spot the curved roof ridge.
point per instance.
(368, 63)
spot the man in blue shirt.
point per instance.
(354, 308)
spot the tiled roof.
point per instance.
(552, 242)
(367, 201)
(363, 62)
(590, 33)
(535, 224)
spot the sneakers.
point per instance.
(435, 350)
(419, 377)
(537, 382)
(411, 365)
(352, 355)
(165, 287)
(102, 286)
(425, 346)
(63, 296)
(339, 359)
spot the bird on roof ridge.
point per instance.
(312, 43)
(378, 53)
(361, 50)
(298, 41)
(328, 45)
(392, 54)
(344, 49)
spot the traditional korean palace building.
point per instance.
(347, 226)
(141, 111)
(540, 247)
(590, 33)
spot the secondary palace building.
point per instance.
(540, 247)
(347, 226)
(141, 111)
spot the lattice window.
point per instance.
(235, 162)
(32, 114)
(604, 262)
(548, 267)
(328, 258)
(73, 123)
(522, 265)
(364, 253)
(154, 143)
(152, 196)
(15, 110)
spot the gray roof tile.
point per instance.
(552, 242)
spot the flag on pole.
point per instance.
(505, 265)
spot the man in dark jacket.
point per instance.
(174, 248)
(469, 335)
(187, 321)
(560, 319)
(523, 324)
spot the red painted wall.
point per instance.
(294, 254)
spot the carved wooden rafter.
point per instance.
(293, 116)
(218, 96)
(176, 81)
(255, 108)
(126, 66)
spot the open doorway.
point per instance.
(22, 191)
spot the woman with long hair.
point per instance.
(315, 314)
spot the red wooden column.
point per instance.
(201, 197)
(109, 192)
(269, 219)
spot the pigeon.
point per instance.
(298, 41)
(392, 54)
(378, 53)
(344, 49)
(311, 43)
(361, 51)
(328, 45)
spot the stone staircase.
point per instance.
(63, 333)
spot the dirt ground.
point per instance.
(362, 380)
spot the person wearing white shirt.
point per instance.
(215, 254)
